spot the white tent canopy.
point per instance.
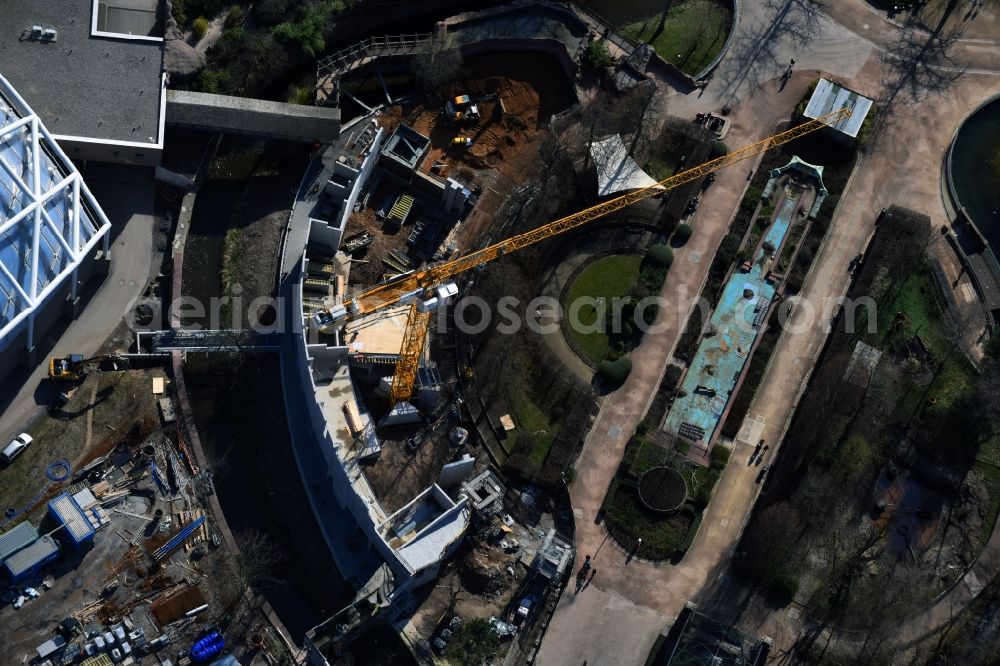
(616, 170)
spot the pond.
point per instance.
(975, 169)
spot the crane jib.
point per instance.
(390, 293)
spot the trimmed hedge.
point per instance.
(682, 234)
(661, 255)
(615, 372)
(720, 456)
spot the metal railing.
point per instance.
(331, 68)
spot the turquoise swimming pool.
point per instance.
(724, 350)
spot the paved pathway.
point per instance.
(571, 629)
(903, 165)
(130, 209)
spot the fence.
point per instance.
(330, 69)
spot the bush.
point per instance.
(704, 493)
(660, 255)
(308, 29)
(750, 199)
(720, 456)
(596, 56)
(782, 587)
(235, 16)
(473, 644)
(199, 27)
(719, 149)
(306, 33)
(204, 7)
(727, 251)
(178, 9)
(269, 13)
(218, 82)
(682, 234)
(615, 372)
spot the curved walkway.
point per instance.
(615, 620)
(561, 267)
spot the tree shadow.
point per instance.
(917, 66)
(756, 52)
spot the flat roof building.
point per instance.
(829, 97)
(29, 561)
(50, 227)
(16, 538)
(90, 73)
(67, 513)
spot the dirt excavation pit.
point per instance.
(504, 152)
(531, 87)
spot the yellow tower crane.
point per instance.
(411, 287)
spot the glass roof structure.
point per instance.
(49, 220)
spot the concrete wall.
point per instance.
(364, 173)
(326, 234)
(81, 150)
(340, 475)
(239, 115)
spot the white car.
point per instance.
(19, 601)
(31, 592)
(16, 447)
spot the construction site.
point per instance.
(522, 288)
(483, 132)
(111, 552)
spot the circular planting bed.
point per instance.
(662, 489)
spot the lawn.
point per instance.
(533, 422)
(694, 33)
(660, 168)
(605, 278)
(915, 299)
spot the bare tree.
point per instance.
(254, 564)
(437, 66)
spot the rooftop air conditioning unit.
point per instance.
(50, 34)
(36, 30)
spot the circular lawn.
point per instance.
(600, 282)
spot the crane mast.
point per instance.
(410, 286)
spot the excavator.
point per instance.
(429, 288)
(74, 368)
(464, 107)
